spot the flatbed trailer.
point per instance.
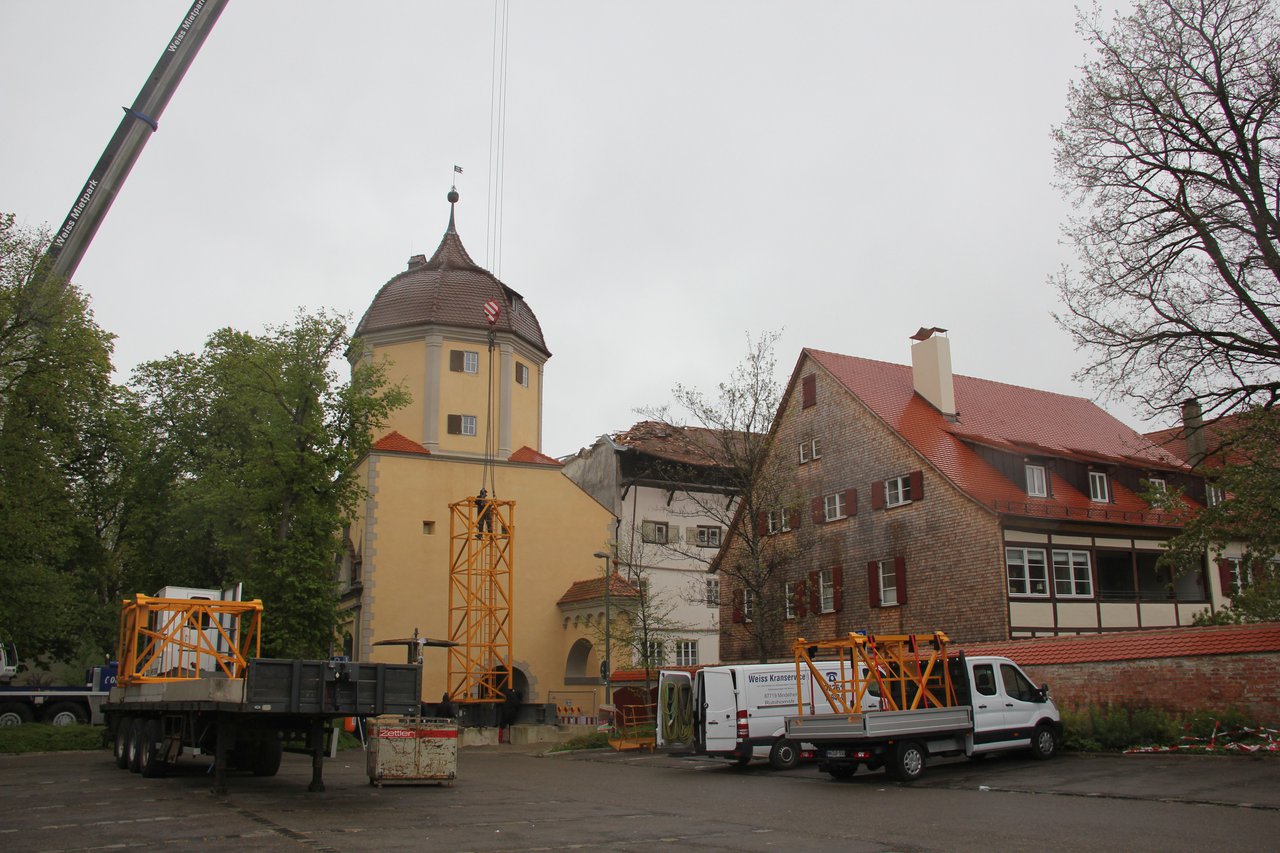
(188, 683)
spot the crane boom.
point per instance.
(72, 239)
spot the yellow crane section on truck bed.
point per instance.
(907, 671)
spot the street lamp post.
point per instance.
(607, 666)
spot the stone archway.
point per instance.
(575, 665)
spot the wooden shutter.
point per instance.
(795, 518)
(1224, 576)
(455, 425)
(917, 485)
(900, 578)
(737, 606)
(873, 583)
(798, 600)
(455, 360)
(877, 494)
(850, 501)
(819, 512)
(762, 524)
(815, 593)
(837, 588)
(808, 391)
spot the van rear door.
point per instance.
(675, 709)
(720, 710)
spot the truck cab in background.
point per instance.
(8, 662)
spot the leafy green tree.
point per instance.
(1171, 153)
(60, 420)
(252, 446)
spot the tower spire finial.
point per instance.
(453, 200)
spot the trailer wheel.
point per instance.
(14, 714)
(133, 745)
(120, 742)
(150, 755)
(266, 758)
(66, 714)
(843, 771)
(1044, 744)
(907, 762)
(784, 755)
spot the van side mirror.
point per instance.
(1044, 693)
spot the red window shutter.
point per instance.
(900, 577)
(819, 513)
(837, 587)
(873, 583)
(851, 502)
(917, 485)
(877, 494)
(737, 606)
(808, 391)
(798, 597)
(795, 518)
(1224, 575)
(762, 524)
(455, 360)
(455, 425)
(815, 593)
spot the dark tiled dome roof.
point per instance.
(449, 289)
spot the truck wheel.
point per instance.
(150, 754)
(120, 742)
(784, 755)
(843, 771)
(1043, 743)
(66, 714)
(266, 758)
(15, 714)
(133, 745)
(907, 762)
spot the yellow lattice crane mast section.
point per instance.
(179, 639)
(482, 536)
(906, 671)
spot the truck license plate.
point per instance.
(836, 753)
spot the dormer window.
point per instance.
(1037, 486)
(1157, 484)
(1099, 492)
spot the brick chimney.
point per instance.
(931, 369)
(1193, 432)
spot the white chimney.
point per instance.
(931, 369)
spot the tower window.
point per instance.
(464, 361)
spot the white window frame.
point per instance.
(522, 374)
(748, 604)
(809, 450)
(778, 521)
(1033, 574)
(712, 594)
(833, 507)
(470, 361)
(1037, 482)
(1099, 488)
(1159, 484)
(897, 491)
(1213, 494)
(468, 425)
(659, 532)
(827, 591)
(709, 535)
(888, 582)
(655, 653)
(686, 652)
(1072, 570)
(789, 594)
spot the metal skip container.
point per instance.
(413, 749)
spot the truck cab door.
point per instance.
(720, 710)
(1021, 710)
(675, 709)
(988, 704)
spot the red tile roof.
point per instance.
(395, 442)
(528, 455)
(1007, 417)
(593, 590)
(683, 444)
(449, 289)
(1136, 645)
(1216, 434)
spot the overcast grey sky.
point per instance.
(678, 174)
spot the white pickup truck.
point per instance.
(997, 709)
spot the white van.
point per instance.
(739, 712)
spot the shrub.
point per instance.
(1115, 728)
(595, 740)
(43, 737)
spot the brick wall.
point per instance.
(1247, 682)
(952, 547)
